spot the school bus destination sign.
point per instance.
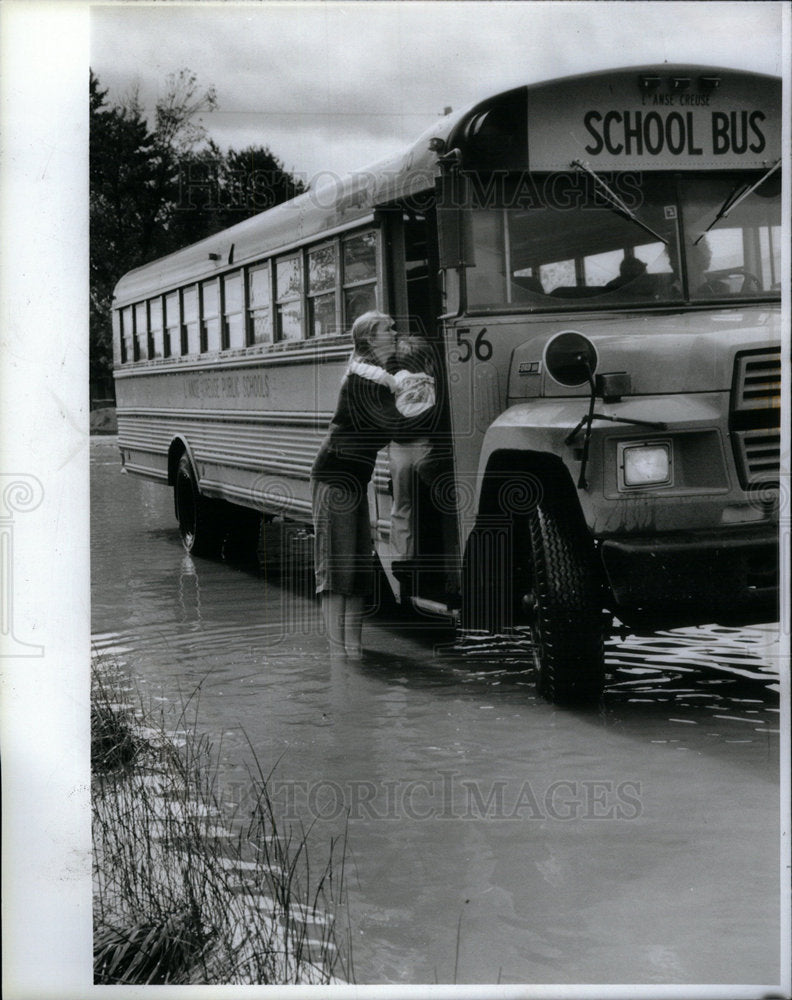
(645, 120)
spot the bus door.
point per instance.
(414, 300)
(412, 270)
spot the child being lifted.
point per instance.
(416, 456)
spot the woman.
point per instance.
(364, 421)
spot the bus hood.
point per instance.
(662, 354)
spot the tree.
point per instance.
(216, 190)
(259, 176)
(155, 190)
(123, 159)
(178, 125)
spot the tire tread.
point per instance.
(571, 634)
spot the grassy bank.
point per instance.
(182, 892)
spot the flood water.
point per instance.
(490, 836)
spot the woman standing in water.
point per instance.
(364, 421)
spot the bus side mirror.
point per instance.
(454, 229)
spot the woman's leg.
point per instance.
(343, 618)
(342, 554)
(334, 614)
(353, 626)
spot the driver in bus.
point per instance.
(699, 259)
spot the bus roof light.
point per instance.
(648, 83)
(680, 82)
(709, 82)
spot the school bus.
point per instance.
(597, 261)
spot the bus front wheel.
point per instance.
(563, 607)
(198, 523)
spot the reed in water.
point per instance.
(183, 891)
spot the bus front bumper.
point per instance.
(704, 576)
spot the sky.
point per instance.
(335, 86)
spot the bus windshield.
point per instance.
(563, 242)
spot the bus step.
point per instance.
(434, 608)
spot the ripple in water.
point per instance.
(709, 667)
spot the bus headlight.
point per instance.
(645, 463)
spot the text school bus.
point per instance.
(597, 261)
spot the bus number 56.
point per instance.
(482, 348)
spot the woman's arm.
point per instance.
(371, 406)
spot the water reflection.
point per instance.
(693, 675)
(189, 591)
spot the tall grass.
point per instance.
(183, 894)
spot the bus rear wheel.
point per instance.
(198, 522)
(563, 607)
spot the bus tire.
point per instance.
(199, 525)
(564, 607)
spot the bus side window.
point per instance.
(321, 292)
(141, 332)
(172, 342)
(260, 304)
(233, 304)
(360, 276)
(210, 315)
(155, 324)
(127, 350)
(288, 292)
(191, 341)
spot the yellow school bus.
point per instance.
(597, 261)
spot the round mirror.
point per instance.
(571, 358)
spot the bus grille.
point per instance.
(755, 417)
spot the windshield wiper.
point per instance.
(733, 199)
(616, 201)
